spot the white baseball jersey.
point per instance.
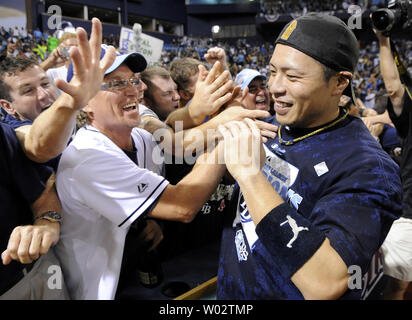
(146, 112)
(102, 192)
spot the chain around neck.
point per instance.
(293, 141)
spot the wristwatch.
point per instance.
(51, 216)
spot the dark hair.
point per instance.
(10, 66)
(182, 69)
(147, 76)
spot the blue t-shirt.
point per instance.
(341, 181)
(388, 138)
(21, 183)
(17, 123)
(14, 122)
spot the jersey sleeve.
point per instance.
(28, 177)
(356, 216)
(116, 188)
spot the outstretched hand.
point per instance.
(243, 148)
(212, 92)
(88, 69)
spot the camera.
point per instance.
(65, 52)
(398, 16)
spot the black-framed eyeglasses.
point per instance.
(120, 84)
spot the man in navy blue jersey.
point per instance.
(30, 224)
(309, 221)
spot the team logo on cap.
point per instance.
(289, 30)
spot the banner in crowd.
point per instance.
(149, 46)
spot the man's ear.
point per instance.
(88, 111)
(342, 81)
(7, 106)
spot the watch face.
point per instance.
(53, 215)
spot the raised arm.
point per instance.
(184, 142)
(212, 91)
(217, 54)
(54, 59)
(390, 73)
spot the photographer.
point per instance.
(397, 246)
(57, 63)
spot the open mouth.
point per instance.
(260, 101)
(129, 107)
(46, 107)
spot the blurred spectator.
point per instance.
(185, 72)
(57, 63)
(258, 94)
(161, 95)
(370, 99)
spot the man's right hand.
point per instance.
(267, 129)
(88, 69)
(381, 37)
(213, 90)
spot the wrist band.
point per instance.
(289, 237)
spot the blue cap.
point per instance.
(246, 76)
(134, 60)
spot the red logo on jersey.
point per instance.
(222, 205)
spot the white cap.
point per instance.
(246, 76)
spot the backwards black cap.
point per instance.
(326, 39)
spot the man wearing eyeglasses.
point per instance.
(111, 176)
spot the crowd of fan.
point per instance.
(368, 84)
(271, 7)
(367, 81)
(238, 55)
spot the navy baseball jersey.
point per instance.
(21, 183)
(17, 123)
(341, 181)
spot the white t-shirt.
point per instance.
(146, 112)
(102, 192)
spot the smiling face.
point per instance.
(258, 96)
(31, 93)
(116, 111)
(165, 98)
(302, 97)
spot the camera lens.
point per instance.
(383, 19)
(380, 20)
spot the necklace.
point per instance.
(290, 142)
